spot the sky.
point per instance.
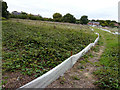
(94, 9)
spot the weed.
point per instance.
(4, 82)
(82, 62)
(87, 69)
(91, 62)
(75, 78)
(81, 70)
(86, 60)
(96, 48)
(97, 64)
(81, 67)
(90, 55)
(5, 77)
(85, 56)
(62, 80)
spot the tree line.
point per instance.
(108, 23)
(57, 17)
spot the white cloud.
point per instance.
(95, 9)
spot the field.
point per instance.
(32, 48)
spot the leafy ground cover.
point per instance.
(34, 47)
(108, 72)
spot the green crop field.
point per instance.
(35, 47)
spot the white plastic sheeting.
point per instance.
(116, 33)
(52, 75)
(92, 29)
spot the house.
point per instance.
(93, 23)
(116, 24)
(16, 13)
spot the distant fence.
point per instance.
(55, 73)
(116, 33)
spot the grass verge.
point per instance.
(108, 72)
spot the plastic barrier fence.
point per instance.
(116, 33)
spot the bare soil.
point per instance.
(78, 77)
(15, 79)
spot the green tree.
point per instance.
(119, 23)
(57, 17)
(102, 24)
(84, 19)
(93, 20)
(108, 21)
(77, 21)
(24, 13)
(69, 18)
(5, 13)
(114, 21)
(112, 24)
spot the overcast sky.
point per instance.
(94, 9)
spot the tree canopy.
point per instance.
(69, 18)
(84, 19)
(57, 17)
(5, 13)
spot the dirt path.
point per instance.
(80, 76)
